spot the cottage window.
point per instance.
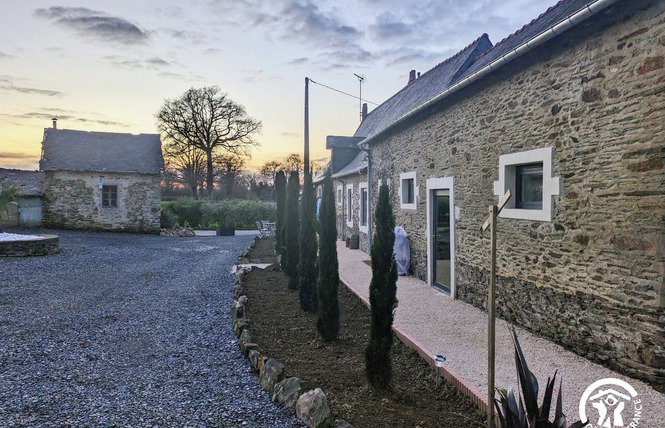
(110, 196)
(408, 191)
(529, 186)
(364, 211)
(528, 176)
(340, 194)
(349, 206)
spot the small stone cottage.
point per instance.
(568, 113)
(101, 180)
(27, 210)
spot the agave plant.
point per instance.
(524, 412)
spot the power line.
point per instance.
(341, 92)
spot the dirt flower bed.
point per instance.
(286, 333)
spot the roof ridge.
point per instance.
(457, 54)
(460, 52)
(524, 27)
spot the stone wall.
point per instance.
(592, 278)
(342, 227)
(73, 200)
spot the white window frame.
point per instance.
(432, 184)
(349, 206)
(551, 185)
(402, 179)
(363, 227)
(340, 194)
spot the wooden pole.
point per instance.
(491, 316)
(491, 347)
(306, 125)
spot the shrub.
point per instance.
(291, 255)
(307, 265)
(382, 295)
(525, 413)
(236, 213)
(168, 219)
(187, 211)
(328, 281)
(280, 190)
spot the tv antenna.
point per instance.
(361, 79)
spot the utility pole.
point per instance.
(491, 316)
(306, 126)
(360, 97)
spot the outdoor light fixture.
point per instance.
(438, 362)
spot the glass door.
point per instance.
(441, 240)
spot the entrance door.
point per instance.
(441, 240)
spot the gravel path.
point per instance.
(128, 331)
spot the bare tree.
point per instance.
(208, 120)
(229, 166)
(270, 168)
(188, 163)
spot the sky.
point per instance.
(110, 65)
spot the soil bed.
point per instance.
(288, 334)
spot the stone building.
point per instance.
(101, 181)
(568, 113)
(27, 210)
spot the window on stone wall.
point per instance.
(363, 205)
(528, 176)
(109, 196)
(339, 195)
(349, 206)
(529, 186)
(408, 191)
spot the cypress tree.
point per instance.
(291, 254)
(328, 313)
(382, 295)
(280, 189)
(307, 266)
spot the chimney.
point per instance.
(55, 123)
(412, 77)
(364, 112)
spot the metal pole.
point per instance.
(306, 125)
(491, 321)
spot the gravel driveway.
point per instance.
(129, 331)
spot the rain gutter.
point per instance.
(525, 47)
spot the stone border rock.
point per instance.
(47, 245)
(180, 232)
(312, 406)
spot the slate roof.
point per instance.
(552, 16)
(471, 59)
(70, 150)
(357, 165)
(422, 89)
(28, 183)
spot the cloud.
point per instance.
(154, 63)
(95, 24)
(389, 27)
(16, 156)
(306, 21)
(298, 61)
(65, 115)
(7, 84)
(5, 55)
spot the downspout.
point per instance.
(538, 40)
(365, 148)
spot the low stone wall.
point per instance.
(36, 247)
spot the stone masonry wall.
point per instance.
(592, 278)
(73, 200)
(342, 227)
